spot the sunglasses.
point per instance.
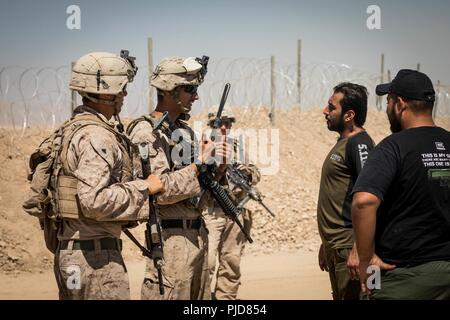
(226, 123)
(191, 89)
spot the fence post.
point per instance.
(150, 71)
(73, 94)
(299, 72)
(378, 101)
(272, 90)
(436, 101)
(418, 67)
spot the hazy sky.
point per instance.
(34, 33)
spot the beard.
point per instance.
(336, 124)
(118, 108)
(395, 123)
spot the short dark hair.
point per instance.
(417, 106)
(355, 98)
(420, 106)
(160, 93)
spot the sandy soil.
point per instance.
(295, 275)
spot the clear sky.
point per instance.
(34, 33)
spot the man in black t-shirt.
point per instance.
(401, 203)
(345, 113)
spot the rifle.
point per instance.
(153, 238)
(208, 172)
(217, 119)
(242, 181)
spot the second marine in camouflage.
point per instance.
(171, 157)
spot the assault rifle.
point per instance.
(153, 238)
(207, 177)
(241, 180)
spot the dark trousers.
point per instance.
(427, 281)
(343, 287)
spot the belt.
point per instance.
(179, 223)
(89, 245)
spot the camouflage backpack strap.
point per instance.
(135, 122)
(165, 127)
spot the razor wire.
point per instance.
(40, 97)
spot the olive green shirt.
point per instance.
(339, 172)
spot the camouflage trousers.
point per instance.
(226, 245)
(96, 274)
(185, 270)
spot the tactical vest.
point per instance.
(55, 180)
(167, 129)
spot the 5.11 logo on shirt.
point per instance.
(363, 153)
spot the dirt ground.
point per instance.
(277, 276)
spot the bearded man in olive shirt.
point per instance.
(346, 114)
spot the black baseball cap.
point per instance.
(409, 84)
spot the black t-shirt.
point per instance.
(409, 172)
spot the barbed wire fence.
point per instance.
(40, 97)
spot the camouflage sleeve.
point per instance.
(255, 173)
(100, 162)
(179, 184)
(250, 168)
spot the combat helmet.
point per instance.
(173, 72)
(227, 114)
(102, 73)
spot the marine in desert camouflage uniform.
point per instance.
(96, 196)
(171, 157)
(226, 240)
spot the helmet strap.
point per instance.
(120, 126)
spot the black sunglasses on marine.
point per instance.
(191, 89)
(226, 123)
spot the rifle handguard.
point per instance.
(223, 199)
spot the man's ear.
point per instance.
(349, 115)
(402, 104)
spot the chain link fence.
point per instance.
(40, 97)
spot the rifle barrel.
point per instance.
(268, 210)
(247, 236)
(217, 120)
